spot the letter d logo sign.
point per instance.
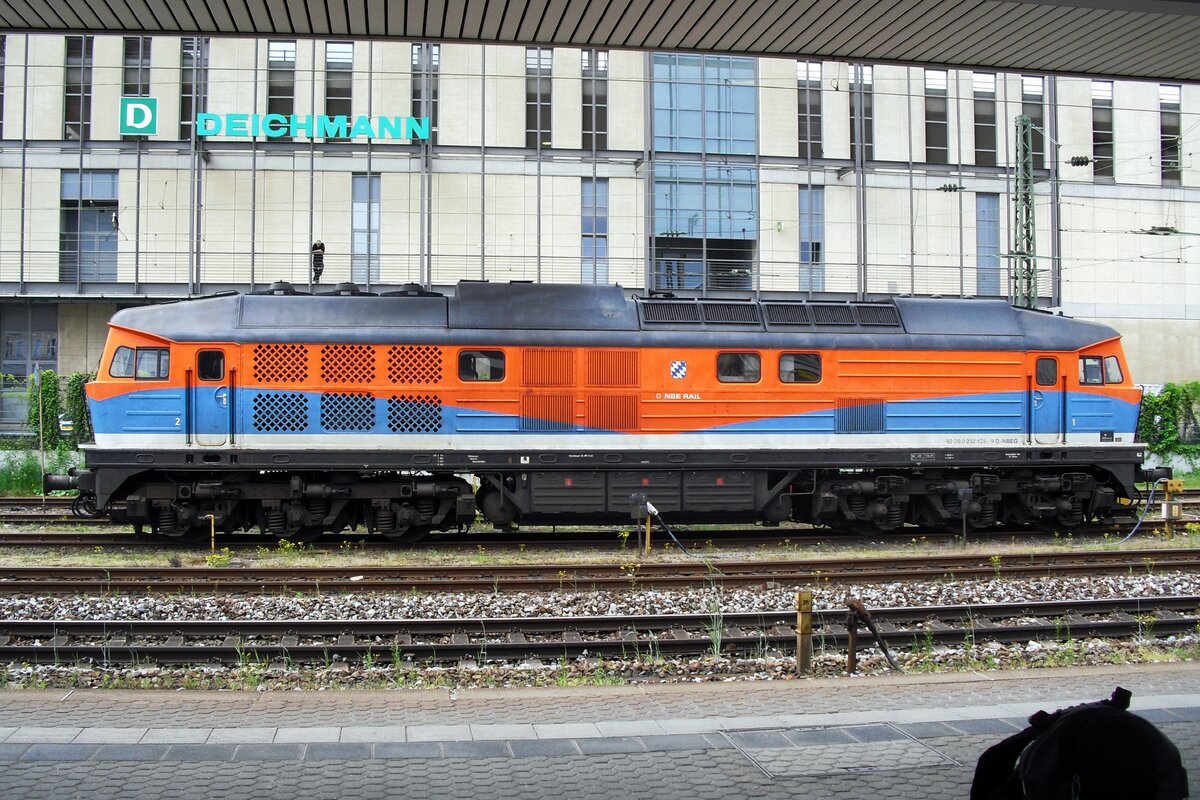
(139, 116)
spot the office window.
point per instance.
(1102, 131)
(1033, 106)
(281, 80)
(136, 71)
(705, 104)
(88, 233)
(808, 84)
(364, 233)
(937, 118)
(538, 63)
(862, 105)
(77, 89)
(339, 81)
(987, 244)
(135, 78)
(595, 99)
(984, 90)
(812, 238)
(705, 226)
(595, 230)
(426, 69)
(1168, 114)
(193, 83)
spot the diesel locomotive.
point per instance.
(415, 411)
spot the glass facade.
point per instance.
(987, 245)
(808, 84)
(193, 82)
(937, 119)
(704, 104)
(594, 66)
(426, 66)
(984, 95)
(1171, 134)
(77, 90)
(594, 225)
(339, 79)
(89, 230)
(812, 239)
(539, 62)
(1102, 131)
(364, 221)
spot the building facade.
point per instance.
(134, 169)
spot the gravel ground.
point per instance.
(766, 666)
(450, 605)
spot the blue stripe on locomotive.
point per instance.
(161, 411)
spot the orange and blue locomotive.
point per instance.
(414, 411)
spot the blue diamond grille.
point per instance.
(276, 412)
(347, 412)
(411, 413)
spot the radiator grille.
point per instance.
(833, 315)
(279, 412)
(546, 412)
(878, 315)
(613, 412)
(787, 314)
(665, 311)
(347, 412)
(731, 313)
(548, 367)
(348, 364)
(280, 363)
(415, 413)
(860, 415)
(415, 364)
(612, 368)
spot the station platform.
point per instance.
(906, 736)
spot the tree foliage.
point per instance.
(77, 407)
(1168, 421)
(49, 408)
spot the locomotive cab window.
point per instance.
(1089, 370)
(1047, 372)
(739, 367)
(800, 367)
(153, 364)
(481, 365)
(122, 363)
(1112, 370)
(210, 365)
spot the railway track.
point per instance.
(285, 643)
(581, 577)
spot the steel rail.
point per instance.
(252, 641)
(509, 577)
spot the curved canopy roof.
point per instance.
(1152, 39)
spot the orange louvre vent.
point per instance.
(546, 412)
(612, 368)
(280, 363)
(348, 363)
(613, 412)
(415, 364)
(548, 367)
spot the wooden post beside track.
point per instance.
(647, 534)
(804, 632)
(212, 533)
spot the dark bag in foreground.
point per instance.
(1085, 752)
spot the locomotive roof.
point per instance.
(481, 313)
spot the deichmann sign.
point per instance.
(340, 127)
(139, 117)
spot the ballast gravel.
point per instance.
(260, 676)
(571, 603)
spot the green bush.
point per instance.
(1166, 416)
(50, 407)
(77, 408)
(21, 474)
